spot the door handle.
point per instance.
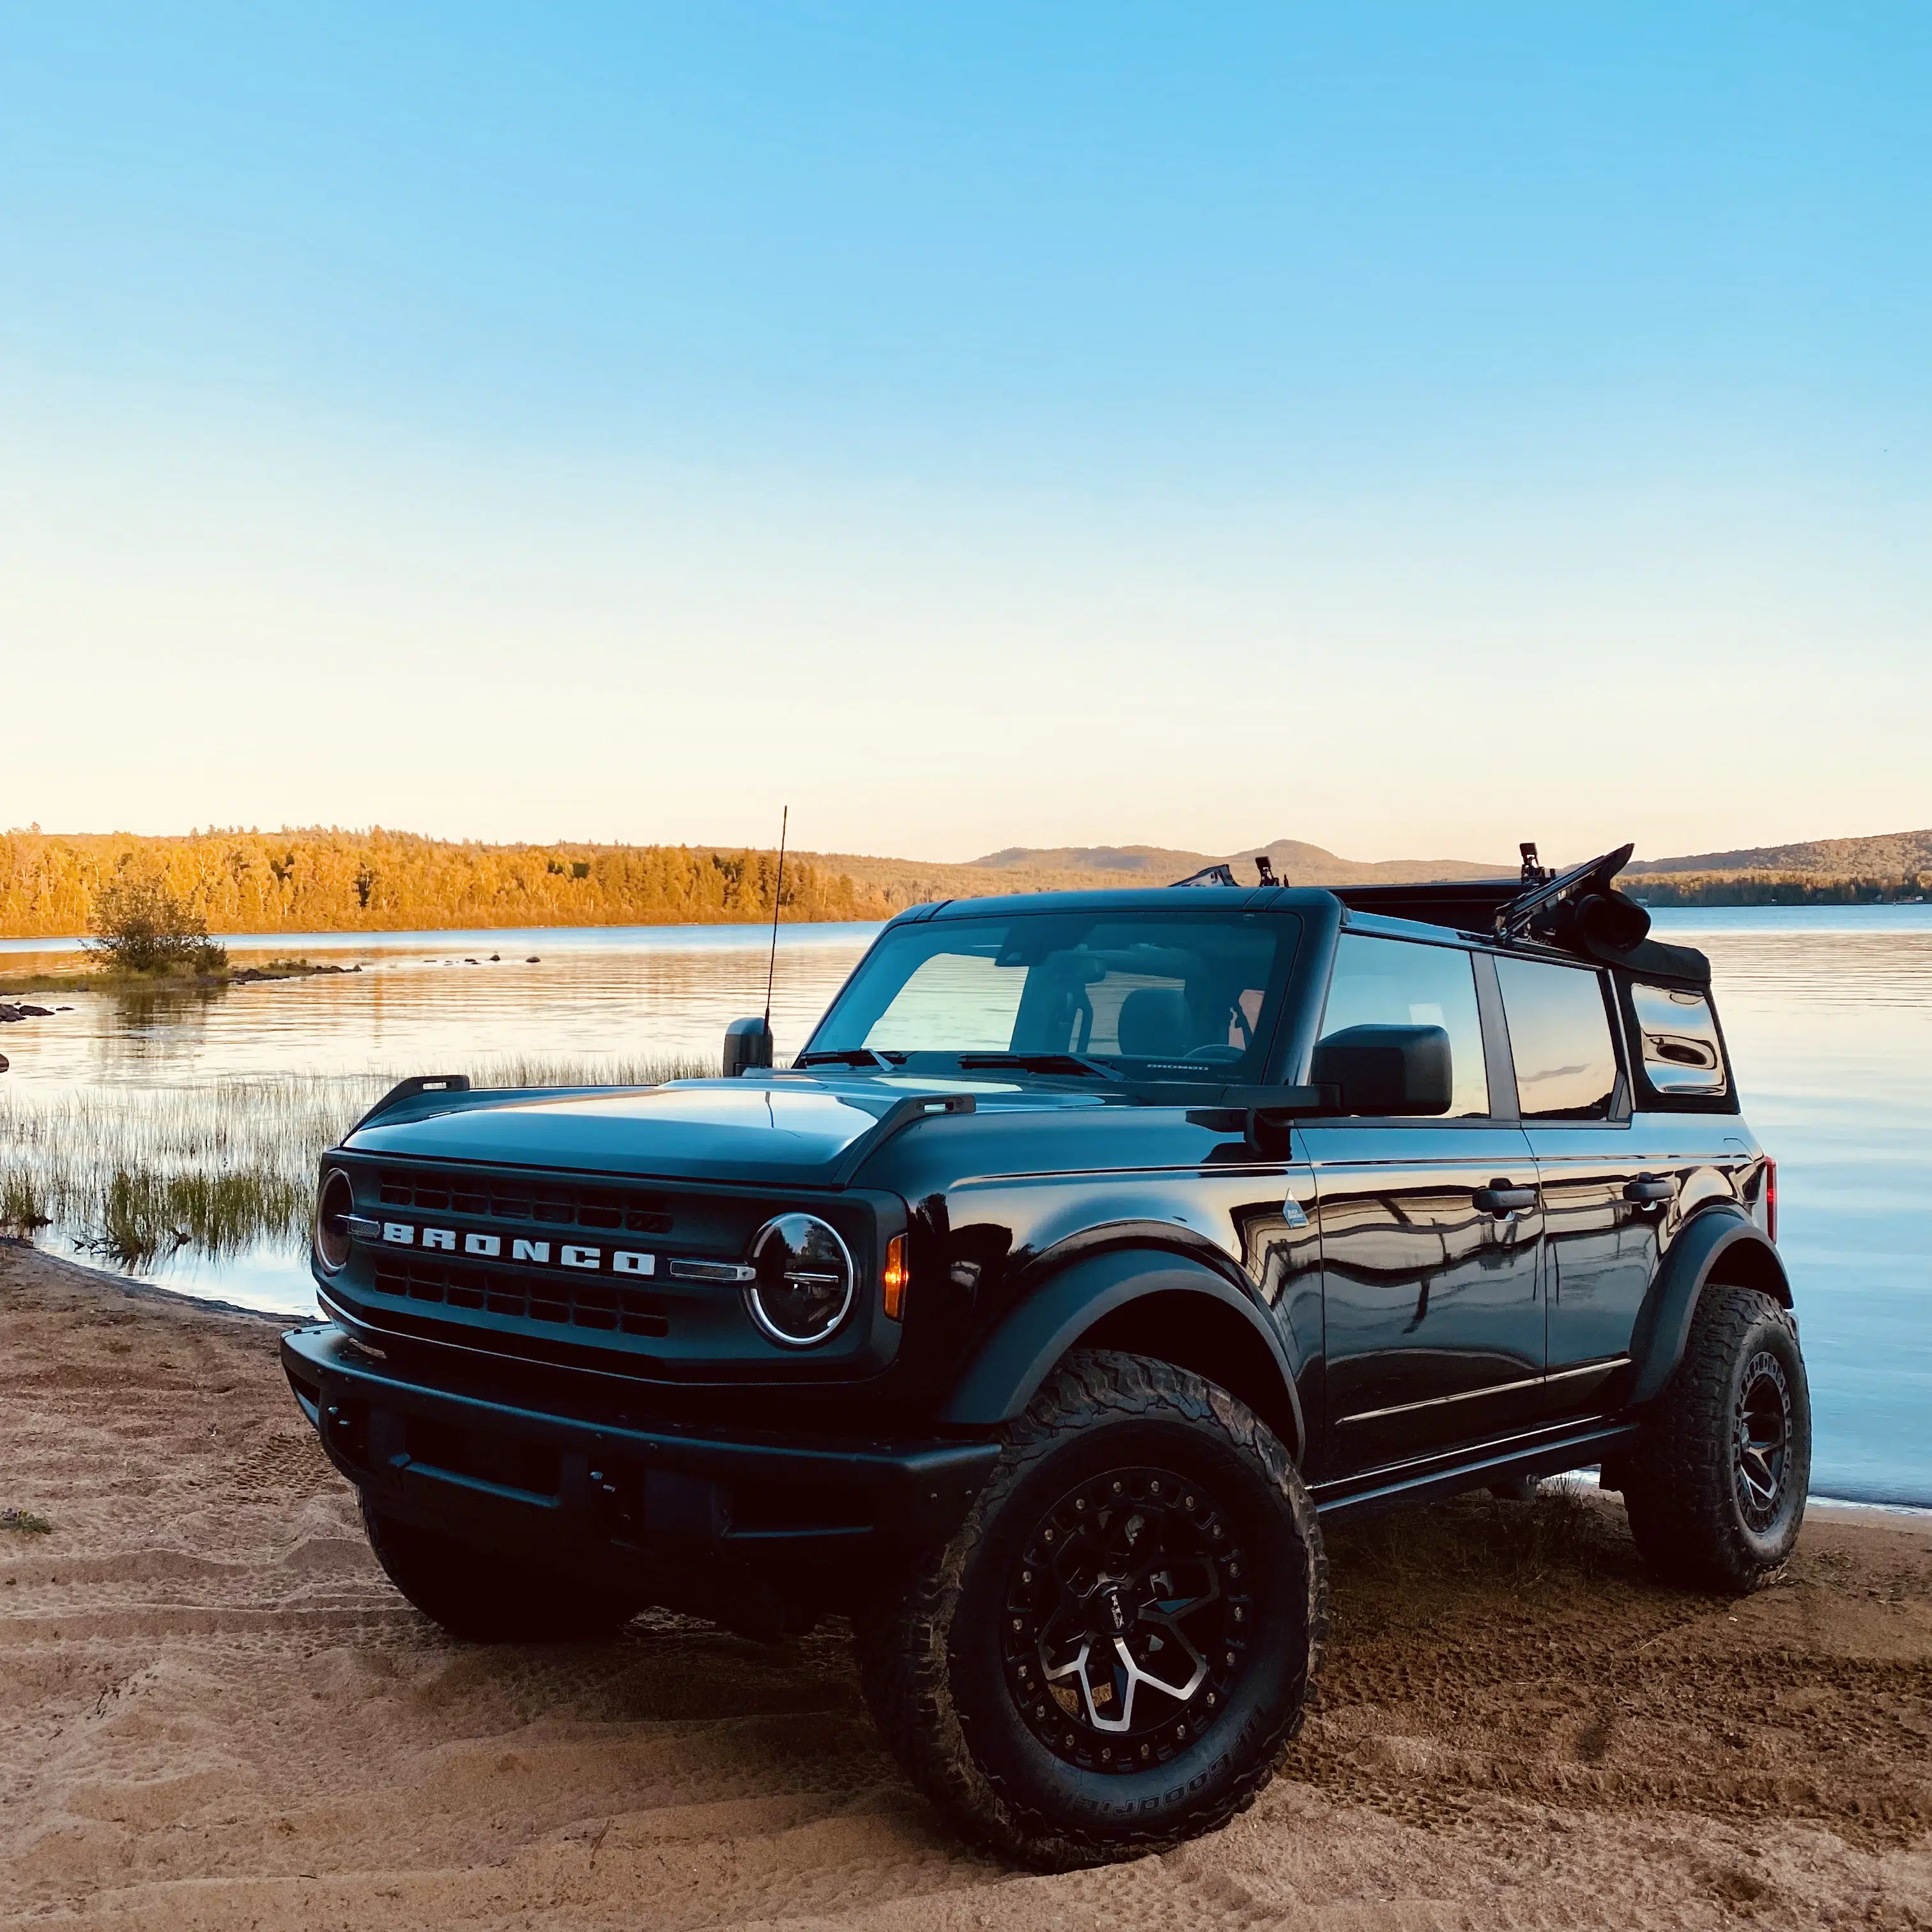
(1500, 1199)
(1648, 1187)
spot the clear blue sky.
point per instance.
(1407, 428)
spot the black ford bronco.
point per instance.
(1096, 1246)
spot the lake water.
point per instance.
(1828, 1012)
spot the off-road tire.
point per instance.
(1685, 1486)
(484, 1598)
(937, 1679)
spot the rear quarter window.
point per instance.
(1680, 1050)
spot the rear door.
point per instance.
(1602, 1207)
(1433, 1322)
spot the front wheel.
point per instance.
(1715, 1486)
(486, 1598)
(1115, 1650)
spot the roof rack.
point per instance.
(1579, 910)
(1222, 874)
(1539, 908)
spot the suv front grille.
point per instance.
(519, 1198)
(557, 1299)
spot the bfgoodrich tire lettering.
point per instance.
(1715, 1486)
(953, 1667)
(485, 1598)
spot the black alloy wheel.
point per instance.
(1761, 1439)
(1115, 1650)
(1127, 1620)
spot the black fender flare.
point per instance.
(1663, 1328)
(1018, 1356)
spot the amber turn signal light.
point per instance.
(896, 1276)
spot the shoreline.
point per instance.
(1811, 916)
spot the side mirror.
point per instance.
(747, 1043)
(1387, 1069)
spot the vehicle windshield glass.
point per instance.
(1169, 995)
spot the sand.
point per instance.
(214, 1712)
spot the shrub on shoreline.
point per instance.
(138, 926)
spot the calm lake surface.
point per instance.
(1828, 1012)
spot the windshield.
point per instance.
(1175, 995)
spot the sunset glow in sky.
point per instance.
(1408, 429)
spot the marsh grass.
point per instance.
(134, 1174)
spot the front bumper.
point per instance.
(686, 1519)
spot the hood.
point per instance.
(790, 1128)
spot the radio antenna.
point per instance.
(771, 970)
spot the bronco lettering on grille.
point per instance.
(539, 1254)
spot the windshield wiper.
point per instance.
(869, 1058)
(1040, 1062)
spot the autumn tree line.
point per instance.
(1756, 889)
(317, 880)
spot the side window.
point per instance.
(1396, 982)
(1681, 1054)
(1559, 1029)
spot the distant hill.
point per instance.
(1300, 864)
(1889, 865)
(1887, 854)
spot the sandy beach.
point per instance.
(214, 1713)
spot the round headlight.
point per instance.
(804, 1283)
(333, 1207)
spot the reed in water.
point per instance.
(221, 1166)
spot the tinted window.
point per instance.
(1559, 1029)
(1166, 990)
(1393, 982)
(1681, 1054)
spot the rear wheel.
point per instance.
(486, 1598)
(1114, 1651)
(1715, 1486)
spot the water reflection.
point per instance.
(420, 1010)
